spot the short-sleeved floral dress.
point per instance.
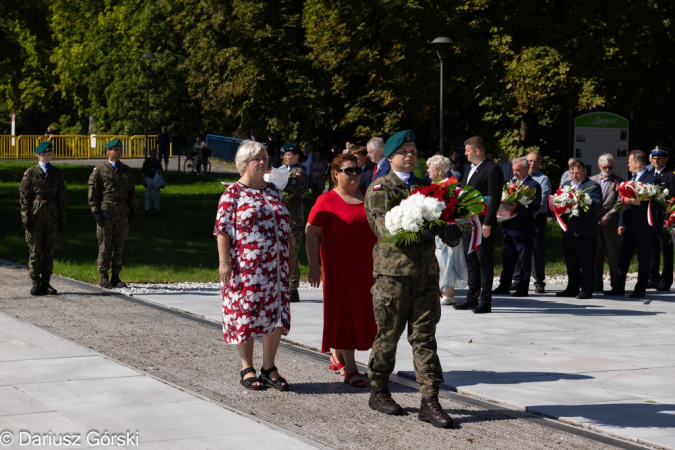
(257, 298)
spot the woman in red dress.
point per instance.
(253, 230)
(346, 256)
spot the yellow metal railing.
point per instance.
(75, 146)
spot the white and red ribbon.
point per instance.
(476, 234)
(649, 214)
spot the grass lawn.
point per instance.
(172, 245)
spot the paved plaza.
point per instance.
(600, 364)
(605, 363)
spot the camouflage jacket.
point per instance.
(388, 259)
(110, 187)
(297, 186)
(43, 193)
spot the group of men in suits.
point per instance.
(595, 233)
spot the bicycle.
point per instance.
(190, 165)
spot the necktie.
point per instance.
(115, 164)
(634, 177)
(410, 180)
(47, 166)
(374, 172)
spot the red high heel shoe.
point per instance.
(336, 366)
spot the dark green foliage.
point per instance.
(326, 71)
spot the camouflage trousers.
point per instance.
(41, 245)
(413, 301)
(296, 237)
(111, 239)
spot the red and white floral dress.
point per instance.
(257, 299)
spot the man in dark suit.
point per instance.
(375, 150)
(487, 178)
(518, 234)
(635, 230)
(666, 178)
(364, 163)
(609, 240)
(580, 239)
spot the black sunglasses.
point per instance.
(351, 171)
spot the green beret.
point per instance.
(397, 140)
(113, 143)
(44, 148)
(295, 148)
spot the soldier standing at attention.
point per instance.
(43, 216)
(112, 198)
(406, 289)
(293, 194)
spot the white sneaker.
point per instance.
(447, 300)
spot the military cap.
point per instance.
(113, 143)
(44, 147)
(397, 140)
(295, 148)
(658, 152)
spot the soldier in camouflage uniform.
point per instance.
(293, 194)
(43, 216)
(406, 289)
(112, 198)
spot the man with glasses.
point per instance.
(609, 240)
(42, 195)
(112, 199)
(661, 281)
(406, 289)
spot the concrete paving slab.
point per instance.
(43, 424)
(104, 393)
(62, 369)
(14, 401)
(168, 421)
(36, 347)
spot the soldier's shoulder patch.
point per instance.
(95, 169)
(25, 174)
(377, 187)
(298, 174)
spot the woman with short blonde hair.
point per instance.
(255, 259)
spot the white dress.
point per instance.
(452, 265)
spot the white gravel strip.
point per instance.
(163, 288)
(160, 288)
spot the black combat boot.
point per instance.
(105, 284)
(295, 297)
(115, 281)
(36, 289)
(380, 400)
(432, 412)
(46, 287)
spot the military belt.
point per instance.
(114, 199)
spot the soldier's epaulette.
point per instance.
(377, 187)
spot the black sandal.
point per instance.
(248, 382)
(279, 383)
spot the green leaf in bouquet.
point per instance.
(395, 201)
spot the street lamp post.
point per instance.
(147, 56)
(440, 43)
